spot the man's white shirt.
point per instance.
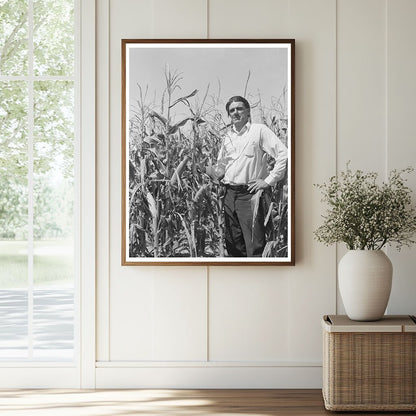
(243, 155)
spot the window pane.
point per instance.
(53, 179)
(53, 320)
(13, 37)
(13, 323)
(13, 168)
(13, 219)
(53, 197)
(53, 37)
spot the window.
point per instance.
(38, 185)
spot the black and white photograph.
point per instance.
(208, 152)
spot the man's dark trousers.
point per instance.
(243, 238)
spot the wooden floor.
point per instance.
(165, 402)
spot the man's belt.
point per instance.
(241, 188)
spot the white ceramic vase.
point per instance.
(364, 278)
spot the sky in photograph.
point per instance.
(224, 69)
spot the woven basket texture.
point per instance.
(369, 371)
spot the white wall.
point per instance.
(247, 326)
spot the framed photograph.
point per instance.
(208, 134)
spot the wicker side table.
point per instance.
(369, 366)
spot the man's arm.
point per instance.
(273, 146)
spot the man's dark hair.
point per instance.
(236, 99)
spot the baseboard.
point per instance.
(209, 377)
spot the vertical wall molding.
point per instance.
(103, 179)
(208, 21)
(336, 147)
(387, 110)
(207, 312)
(88, 188)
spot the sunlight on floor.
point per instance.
(113, 403)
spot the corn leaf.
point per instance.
(152, 140)
(269, 213)
(187, 233)
(159, 117)
(255, 203)
(184, 99)
(173, 129)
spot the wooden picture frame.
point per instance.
(174, 126)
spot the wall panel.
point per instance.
(159, 316)
(311, 282)
(361, 84)
(401, 139)
(248, 314)
(361, 89)
(254, 315)
(243, 19)
(246, 326)
(155, 313)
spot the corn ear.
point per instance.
(200, 192)
(152, 205)
(176, 175)
(154, 213)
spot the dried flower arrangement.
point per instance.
(366, 215)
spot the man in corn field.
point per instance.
(242, 167)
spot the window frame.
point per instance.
(81, 371)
